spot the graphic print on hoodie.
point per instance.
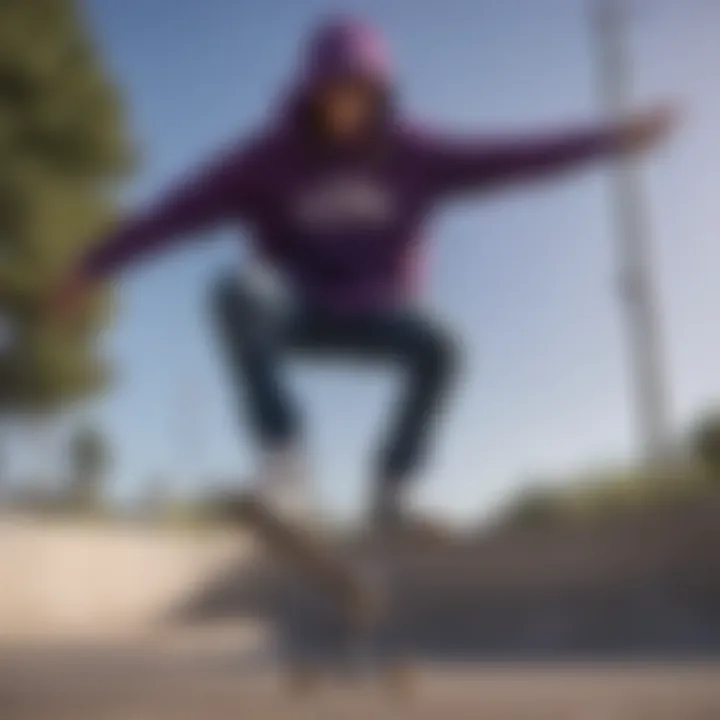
(340, 224)
(344, 202)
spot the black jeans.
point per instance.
(257, 336)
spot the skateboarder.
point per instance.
(334, 191)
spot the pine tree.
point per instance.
(63, 147)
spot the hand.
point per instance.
(645, 130)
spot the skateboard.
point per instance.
(336, 621)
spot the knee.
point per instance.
(233, 313)
(437, 353)
(223, 295)
(229, 302)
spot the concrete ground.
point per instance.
(227, 673)
(609, 588)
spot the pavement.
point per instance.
(229, 672)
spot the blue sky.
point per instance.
(526, 276)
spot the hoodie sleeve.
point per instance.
(457, 165)
(222, 190)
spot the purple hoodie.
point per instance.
(341, 225)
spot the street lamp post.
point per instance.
(633, 246)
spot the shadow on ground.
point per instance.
(645, 584)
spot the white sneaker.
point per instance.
(283, 484)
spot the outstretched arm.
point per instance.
(223, 189)
(220, 190)
(454, 165)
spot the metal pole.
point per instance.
(634, 251)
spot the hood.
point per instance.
(338, 48)
(345, 47)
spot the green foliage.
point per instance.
(706, 444)
(611, 491)
(536, 506)
(62, 144)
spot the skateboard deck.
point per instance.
(306, 551)
(335, 622)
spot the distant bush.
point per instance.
(89, 455)
(534, 507)
(602, 493)
(705, 440)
